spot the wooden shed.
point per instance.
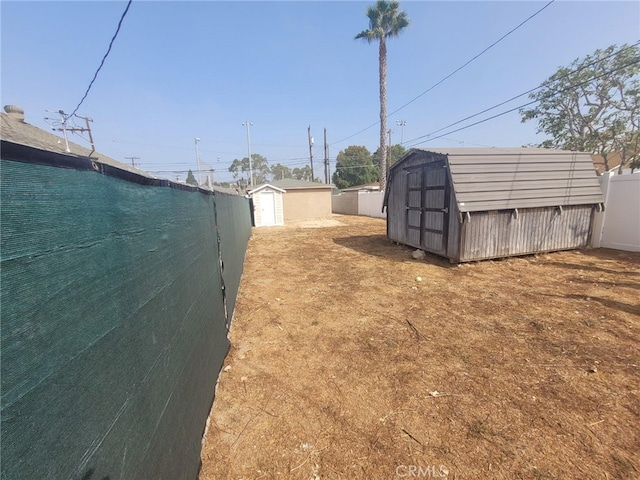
(267, 205)
(474, 204)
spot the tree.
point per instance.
(593, 105)
(385, 21)
(191, 180)
(394, 154)
(303, 173)
(354, 166)
(280, 172)
(259, 165)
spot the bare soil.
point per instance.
(344, 365)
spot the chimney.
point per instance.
(15, 112)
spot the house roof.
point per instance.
(613, 160)
(262, 187)
(506, 178)
(293, 184)
(18, 131)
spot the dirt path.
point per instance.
(345, 366)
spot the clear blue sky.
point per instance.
(184, 69)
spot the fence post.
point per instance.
(600, 217)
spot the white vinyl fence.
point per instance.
(619, 225)
(370, 204)
(359, 203)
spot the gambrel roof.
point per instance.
(264, 186)
(506, 178)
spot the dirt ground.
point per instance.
(345, 365)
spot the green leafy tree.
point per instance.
(393, 155)
(259, 165)
(385, 21)
(191, 180)
(593, 105)
(354, 166)
(280, 172)
(303, 173)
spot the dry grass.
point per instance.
(343, 365)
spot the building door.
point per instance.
(267, 209)
(427, 200)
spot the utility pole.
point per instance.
(310, 150)
(132, 160)
(248, 124)
(198, 161)
(64, 129)
(326, 158)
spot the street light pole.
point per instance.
(248, 124)
(401, 124)
(198, 161)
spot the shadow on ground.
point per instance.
(599, 254)
(613, 304)
(381, 246)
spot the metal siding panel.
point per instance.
(538, 186)
(520, 159)
(484, 177)
(480, 206)
(493, 180)
(510, 195)
(557, 168)
(498, 152)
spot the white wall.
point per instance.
(370, 204)
(619, 225)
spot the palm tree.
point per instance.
(385, 21)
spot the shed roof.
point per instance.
(505, 178)
(17, 131)
(293, 184)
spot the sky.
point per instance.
(180, 70)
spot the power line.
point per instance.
(450, 74)
(552, 94)
(474, 58)
(573, 72)
(103, 59)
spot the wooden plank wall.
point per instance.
(498, 233)
(453, 242)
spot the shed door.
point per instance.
(267, 209)
(428, 206)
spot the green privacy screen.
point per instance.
(234, 227)
(113, 321)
